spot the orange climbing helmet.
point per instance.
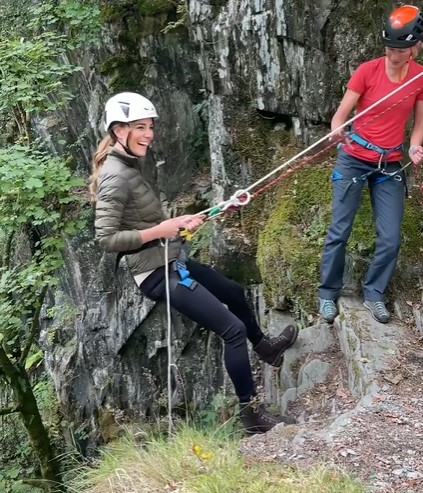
(403, 27)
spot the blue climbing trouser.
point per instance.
(387, 192)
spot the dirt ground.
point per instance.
(379, 442)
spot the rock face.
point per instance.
(237, 88)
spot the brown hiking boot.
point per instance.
(257, 419)
(271, 350)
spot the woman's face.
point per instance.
(137, 135)
(398, 57)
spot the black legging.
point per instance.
(205, 306)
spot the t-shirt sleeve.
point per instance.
(357, 82)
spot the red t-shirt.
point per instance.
(386, 124)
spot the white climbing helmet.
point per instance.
(127, 107)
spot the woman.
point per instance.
(129, 220)
(371, 153)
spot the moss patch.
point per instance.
(291, 242)
(255, 149)
(289, 245)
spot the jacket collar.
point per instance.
(131, 161)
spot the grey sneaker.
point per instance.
(328, 310)
(378, 310)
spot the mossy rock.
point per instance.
(290, 244)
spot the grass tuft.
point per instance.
(194, 461)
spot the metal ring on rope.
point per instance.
(238, 199)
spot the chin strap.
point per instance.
(124, 145)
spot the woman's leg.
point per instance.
(232, 295)
(347, 191)
(229, 293)
(387, 199)
(201, 306)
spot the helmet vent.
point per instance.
(125, 108)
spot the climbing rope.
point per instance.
(243, 196)
(169, 341)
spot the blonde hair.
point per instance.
(98, 159)
(415, 50)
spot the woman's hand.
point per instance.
(192, 222)
(171, 227)
(340, 136)
(416, 154)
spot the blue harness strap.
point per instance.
(373, 147)
(184, 275)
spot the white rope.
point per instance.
(234, 198)
(169, 340)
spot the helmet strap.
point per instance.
(125, 145)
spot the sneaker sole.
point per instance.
(329, 320)
(374, 316)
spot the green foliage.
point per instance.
(14, 17)
(199, 462)
(33, 71)
(39, 207)
(35, 189)
(79, 21)
(10, 483)
(34, 360)
(181, 18)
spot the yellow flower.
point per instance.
(198, 451)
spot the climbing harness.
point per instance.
(383, 158)
(385, 175)
(358, 139)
